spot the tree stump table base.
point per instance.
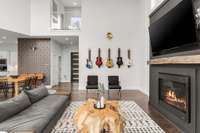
(91, 120)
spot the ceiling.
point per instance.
(66, 40)
(71, 3)
(8, 37)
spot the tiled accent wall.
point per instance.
(37, 60)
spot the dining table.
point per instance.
(16, 80)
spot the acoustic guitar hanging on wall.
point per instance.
(109, 62)
(89, 60)
(129, 63)
(99, 62)
(119, 58)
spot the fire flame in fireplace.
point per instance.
(172, 99)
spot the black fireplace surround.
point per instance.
(174, 93)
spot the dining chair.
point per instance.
(11, 86)
(3, 88)
(92, 84)
(41, 80)
(114, 84)
(26, 85)
(33, 82)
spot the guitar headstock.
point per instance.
(129, 61)
(89, 60)
(119, 52)
(119, 58)
(99, 52)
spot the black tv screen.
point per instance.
(173, 30)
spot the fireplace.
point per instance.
(174, 94)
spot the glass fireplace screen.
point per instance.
(174, 91)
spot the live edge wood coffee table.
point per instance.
(91, 120)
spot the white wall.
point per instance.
(9, 52)
(147, 46)
(30, 17)
(40, 17)
(125, 19)
(66, 61)
(56, 51)
(15, 15)
(40, 20)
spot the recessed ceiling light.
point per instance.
(75, 3)
(67, 39)
(1, 42)
(4, 37)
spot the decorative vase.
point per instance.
(102, 102)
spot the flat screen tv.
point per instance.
(174, 31)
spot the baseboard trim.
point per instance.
(65, 81)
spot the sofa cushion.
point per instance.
(37, 93)
(13, 106)
(37, 116)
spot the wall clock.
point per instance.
(109, 35)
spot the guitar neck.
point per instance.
(89, 54)
(109, 56)
(99, 52)
(119, 52)
(129, 54)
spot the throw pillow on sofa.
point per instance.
(37, 93)
(13, 106)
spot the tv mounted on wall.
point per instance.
(175, 31)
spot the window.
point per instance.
(75, 23)
(65, 15)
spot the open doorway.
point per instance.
(67, 65)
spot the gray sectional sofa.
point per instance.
(33, 110)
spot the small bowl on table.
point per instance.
(14, 76)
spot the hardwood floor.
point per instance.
(141, 99)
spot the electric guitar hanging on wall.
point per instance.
(119, 58)
(99, 62)
(129, 63)
(89, 60)
(109, 62)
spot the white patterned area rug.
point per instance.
(137, 121)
